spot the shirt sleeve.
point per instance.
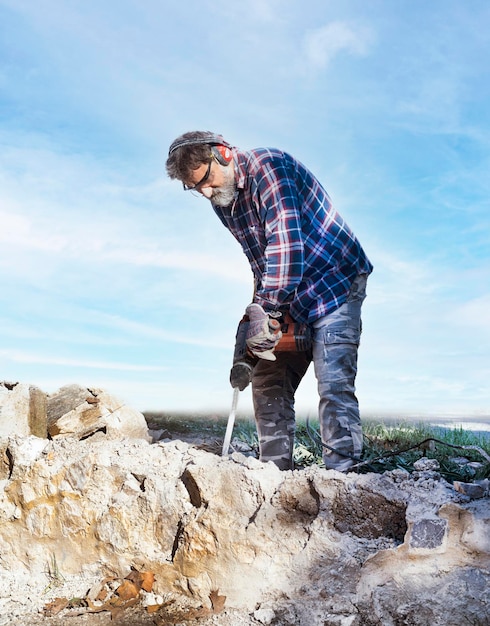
(277, 203)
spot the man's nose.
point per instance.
(206, 192)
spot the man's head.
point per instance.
(203, 161)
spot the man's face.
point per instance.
(215, 182)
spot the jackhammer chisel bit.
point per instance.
(231, 423)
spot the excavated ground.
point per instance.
(382, 530)
(206, 435)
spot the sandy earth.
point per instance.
(131, 617)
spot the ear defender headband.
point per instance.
(220, 149)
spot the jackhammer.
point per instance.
(296, 337)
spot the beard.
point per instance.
(223, 196)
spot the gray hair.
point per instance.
(189, 151)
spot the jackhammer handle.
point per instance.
(274, 325)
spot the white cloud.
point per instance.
(28, 237)
(18, 231)
(143, 330)
(323, 44)
(70, 207)
(473, 316)
(32, 358)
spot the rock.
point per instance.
(240, 446)
(64, 401)
(399, 475)
(22, 410)
(426, 465)
(38, 425)
(80, 412)
(472, 490)
(319, 540)
(475, 466)
(459, 460)
(428, 535)
(157, 434)
(264, 615)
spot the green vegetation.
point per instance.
(400, 445)
(386, 446)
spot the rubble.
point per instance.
(313, 547)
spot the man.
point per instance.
(305, 261)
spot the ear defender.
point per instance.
(222, 154)
(220, 149)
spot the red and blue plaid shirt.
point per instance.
(303, 255)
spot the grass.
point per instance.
(412, 441)
(56, 578)
(386, 446)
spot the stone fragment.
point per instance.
(428, 535)
(399, 474)
(80, 412)
(472, 490)
(14, 409)
(38, 422)
(476, 531)
(459, 460)
(157, 434)
(426, 465)
(475, 466)
(25, 451)
(264, 615)
(64, 401)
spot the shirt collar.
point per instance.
(240, 162)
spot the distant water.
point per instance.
(479, 425)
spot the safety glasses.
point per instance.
(201, 182)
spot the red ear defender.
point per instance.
(222, 154)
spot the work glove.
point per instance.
(263, 333)
(241, 375)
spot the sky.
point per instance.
(113, 278)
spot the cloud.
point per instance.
(28, 237)
(17, 231)
(323, 44)
(144, 330)
(61, 208)
(32, 358)
(473, 315)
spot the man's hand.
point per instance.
(241, 375)
(263, 333)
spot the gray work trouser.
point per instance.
(334, 354)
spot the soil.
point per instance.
(130, 617)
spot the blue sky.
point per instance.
(112, 277)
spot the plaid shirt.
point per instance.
(303, 255)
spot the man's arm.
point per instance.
(277, 200)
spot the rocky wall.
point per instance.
(375, 549)
(97, 499)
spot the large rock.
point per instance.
(22, 410)
(79, 412)
(309, 547)
(72, 411)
